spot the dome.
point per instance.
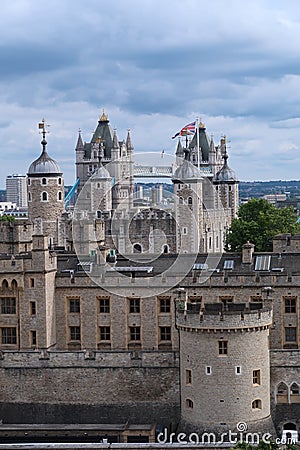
(225, 174)
(186, 171)
(44, 165)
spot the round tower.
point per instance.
(225, 369)
(45, 185)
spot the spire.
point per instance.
(115, 141)
(179, 150)
(79, 145)
(128, 142)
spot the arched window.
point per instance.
(180, 201)
(289, 426)
(44, 180)
(282, 393)
(166, 248)
(4, 284)
(29, 181)
(189, 404)
(190, 201)
(256, 404)
(44, 196)
(294, 393)
(14, 285)
(137, 248)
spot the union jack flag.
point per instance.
(190, 128)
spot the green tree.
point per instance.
(6, 218)
(258, 222)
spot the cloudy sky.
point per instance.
(154, 65)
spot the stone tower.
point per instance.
(117, 159)
(45, 185)
(226, 183)
(188, 206)
(225, 367)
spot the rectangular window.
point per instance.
(33, 339)
(9, 335)
(135, 333)
(290, 334)
(256, 378)
(75, 333)
(208, 370)
(290, 305)
(165, 305)
(104, 305)
(165, 333)
(8, 305)
(32, 308)
(74, 305)
(238, 370)
(104, 333)
(134, 305)
(223, 347)
(188, 376)
(31, 282)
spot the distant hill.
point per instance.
(250, 189)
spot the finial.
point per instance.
(103, 117)
(42, 126)
(201, 124)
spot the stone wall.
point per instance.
(89, 387)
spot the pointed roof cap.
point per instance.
(179, 150)
(225, 174)
(79, 145)
(103, 117)
(128, 141)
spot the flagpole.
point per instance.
(198, 144)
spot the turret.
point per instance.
(45, 185)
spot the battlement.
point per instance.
(216, 316)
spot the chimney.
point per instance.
(247, 253)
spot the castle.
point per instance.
(118, 320)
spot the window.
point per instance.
(208, 370)
(33, 339)
(165, 305)
(59, 196)
(238, 370)
(31, 282)
(190, 201)
(104, 333)
(32, 308)
(290, 305)
(180, 201)
(290, 334)
(44, 181)
(256, 377)
(29, 196)
(104, 305)
(223, 347)
(29, 181)
(75, 333)
(188, 376)
(134, 305)
(165, 333)
(256, 404)
(8, 305)
(74, 304)
(135, 333)
(189, 403)
(184, 230)
(44, 196)
(59, 181)
(9, 335)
